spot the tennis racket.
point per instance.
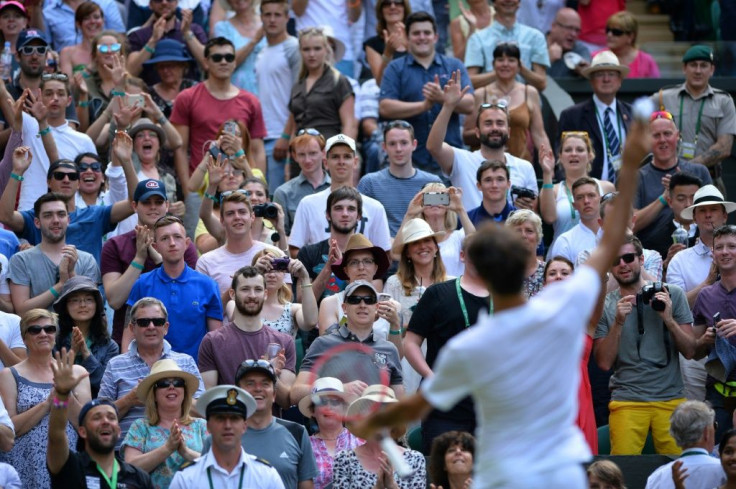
(363, 372)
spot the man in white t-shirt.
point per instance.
(526, 401)
(47, 123)
(460, 165)
(310, 224)
(12, 348)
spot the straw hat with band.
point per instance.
(323, 387)
(358, 242)
(413, 230)
(372, 394)
(78, 283)
(165, 369)
(707, 195)
(605, 61)
(226, 399)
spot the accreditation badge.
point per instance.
(687, 150)
(616, 162)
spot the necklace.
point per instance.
(506, 92)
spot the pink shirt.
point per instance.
(643, 66)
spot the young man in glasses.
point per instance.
(643, 328)
(200, 110)
(192, 297)
(38, 274)
(149, 323)
(246, 336)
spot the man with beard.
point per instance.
(641, 331)
(192, 297)
(222, 351)
(38, 274)
(164, 25)
(461, 166)
(98, 427)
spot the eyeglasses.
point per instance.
(355, 299)
(145, 322)
(81, 300)
(29, 50)
(626, 257)
(661, 114)
(569, 28)
(616, 32)
(217, 57)
(166, 383)
(60, 175)
(608, 196)
(55, 76)
(36, 329)
(230, 192)
(501, 104)
(95, 167)
(108, 48)
(366, 262)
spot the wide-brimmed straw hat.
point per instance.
(413, 230)
(164, 369)
(358, 242)
(605, 61)
(323, 387)
(372, 395)
(707, 195)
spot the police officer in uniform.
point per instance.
(226, 465)
(705, 115)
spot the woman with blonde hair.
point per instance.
(622, 30)
(529, 227)
(168, 437)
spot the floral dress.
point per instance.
(534, 283)
(345, 441)
(146, 438)
(348, 472)
(283, 323)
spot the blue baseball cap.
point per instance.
(149, 188)
(29, 35)
(93, 404)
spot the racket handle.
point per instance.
(395, 457)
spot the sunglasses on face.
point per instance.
(108, 48)
(95, 167)
(616, 32)
(661, 114)
(396, 3)
(626, 257)
(55, 76)
(29, 50)
(355, 299)
(166, 383)
(331, 402)
(36, 329)
(60, 175)
(145, 322)
(229, 57)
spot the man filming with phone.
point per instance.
(642, 329)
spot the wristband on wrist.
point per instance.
(211, 197)
(238, 154)
(663, 201)
(117, 93)
(397, 332)
(285, 136)
(83, 103)
(189, 36)
(44, 132)
(148, 49)
(15, 176)
(306, 286)
(547, 185)
(136, 265)
(59, 404)
(54, 292)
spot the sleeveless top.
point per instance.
(521, 121)
(283, 323)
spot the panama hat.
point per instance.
(358, 242)
(413, 230)
(707, 195)
(605, 61)
(323, 387)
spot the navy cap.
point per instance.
(149, 188)
(263, 366)
(169, 50)
(93, 404)
(28, 35)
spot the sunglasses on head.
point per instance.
(229, 57)
(616, 32)
(575, 134)
(60, 175)
(626, 257)
(238, 191)
(166, 383)
(355, 299)
(145, 322)
(36, 329)
(29, 50)
(109, 48)
(607, 197)
(661, 114)
(256, 363)
(55, 76)
(95, 167)
(501, 104)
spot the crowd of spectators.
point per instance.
(208, 196)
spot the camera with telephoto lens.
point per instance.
(646, 295)
(269, 211)
(280, 264)
(522, 192)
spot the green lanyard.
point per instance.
(112, 483)
(688, 454)
(697, 122)
(573, 214)
(240, 483)
(605, 136)
(462, 302)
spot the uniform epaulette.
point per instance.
(263, 461)
(719, 90)
(187, 464)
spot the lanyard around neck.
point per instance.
(240, 483)
(573, 214)
(462, 302)
(697, 122)
(605, 136)
(112, 482)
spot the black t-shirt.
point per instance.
(314, 258)
(79, 468)
(437, 318)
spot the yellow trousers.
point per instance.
(630, 422)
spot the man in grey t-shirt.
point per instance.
(639, 335)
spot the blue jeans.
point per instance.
(274, 167)
(724, 407)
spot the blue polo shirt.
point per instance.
(479, 215)
(59, 19)
(190, 299)
(403, 79)
(86, 228)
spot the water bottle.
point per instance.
(6, 61)
(680, 236)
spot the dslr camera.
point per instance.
(522, 192)
(646, 295)
(268, 210)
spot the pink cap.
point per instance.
(13, 3)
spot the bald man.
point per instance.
(563, 38)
